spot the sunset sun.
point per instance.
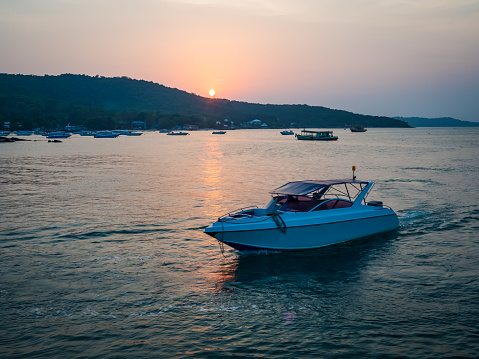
(212, 93)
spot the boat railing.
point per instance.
(241, 212)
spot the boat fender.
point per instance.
(279, 222)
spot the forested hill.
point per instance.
(108, 103)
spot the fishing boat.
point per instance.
(306, 215)
(218, 132)
(358, 129)
(316, 135)
(173, 133)
(287, 132)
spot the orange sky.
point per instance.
(393, 58)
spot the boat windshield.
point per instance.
(336, 188)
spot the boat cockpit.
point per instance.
(309, 196)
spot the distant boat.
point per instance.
(172, 133)
(120, 132)
(358, 129)
(87, 133)
(287, 132)
(4, 133)
(58, 134)
(218, 132)
(106, 134)
(316, 135)
(164, 130)
(23, 133)
(131, 133)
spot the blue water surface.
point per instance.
(103, 254)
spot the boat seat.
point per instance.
(334, 203)
(299, 206)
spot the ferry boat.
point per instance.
(316, 135)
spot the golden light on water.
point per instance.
(212, 173)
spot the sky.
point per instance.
(409, 58)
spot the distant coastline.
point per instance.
(437, 122)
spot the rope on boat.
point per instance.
(279, 222)
(222, 248)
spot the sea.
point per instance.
(103, 252)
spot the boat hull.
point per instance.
(308, 138)
(323, 232)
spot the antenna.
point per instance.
(354, 169)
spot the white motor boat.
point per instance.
(105, 134)
(59, 134)
(305, 215)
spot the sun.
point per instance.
(212, 93)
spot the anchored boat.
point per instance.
(316, 135)
(305, 215)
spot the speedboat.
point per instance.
(287, 132)
(306, 215)
(218, 132)
(316, 135)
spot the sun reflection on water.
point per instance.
(212, 178)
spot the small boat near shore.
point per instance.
(306, 215)
(105, 134)
(358, 129)
(59, 134)
(218, 132)
(173, 133)
(316, 135)
(287, 132)
(23, 133)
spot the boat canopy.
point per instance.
(302, 188)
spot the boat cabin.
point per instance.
(316, 135)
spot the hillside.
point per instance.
(436, 122)
(29, 102)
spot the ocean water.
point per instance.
(103, 254)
